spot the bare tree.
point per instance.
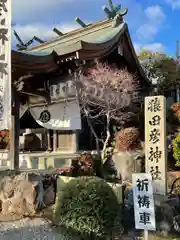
(108, 92)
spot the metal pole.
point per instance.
(145, 234)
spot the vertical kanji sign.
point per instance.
(5, 64)
(155, 141)
(144, 213)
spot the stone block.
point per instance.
(118, 190)
(125, 164)
(20, 192)
(41, 163)
(49, 195)
(50, 162)
(171, 177)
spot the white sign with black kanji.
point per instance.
(5, 64)
(144, 212)
(155, 142)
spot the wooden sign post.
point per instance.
(9, 114)
(5, 65)
(155, 142)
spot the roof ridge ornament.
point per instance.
(21, 45)
(80, 22)
(115, 13)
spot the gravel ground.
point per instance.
(28, 229)
(41, 229)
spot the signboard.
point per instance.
(62, 90)
(5, 64)
(58, 116)
(155, 141)
(143, 201)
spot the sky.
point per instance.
(153, 24)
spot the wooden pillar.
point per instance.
(15, 130)
(75, 146)
(55, 140)
(90, 139)
(177, 94)
(48, 141)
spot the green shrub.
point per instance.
(176, 149)
(68, 234)
(89, 206)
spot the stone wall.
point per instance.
(35, 161)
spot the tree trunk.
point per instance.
(108, 135)
(93, 132)
(100, 171)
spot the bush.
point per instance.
(176, 108)
(68, 234)
(86, 164)
(89, 206)
(127, 139)
(176, 149)
(83, 165)
(4, 139)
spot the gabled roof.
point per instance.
(94, 41)
(34, 63)
(92, 36)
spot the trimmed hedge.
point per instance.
(176, 149)
(89, 206)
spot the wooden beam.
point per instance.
(77, 55)
(48, 140)
(70, 57)
(59, 33)
(22, 78)
(55, 141)
(15, 130)
(80, 22)
(35, 93)
(38, 40)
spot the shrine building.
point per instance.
(50, 118)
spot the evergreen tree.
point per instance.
(160, 69)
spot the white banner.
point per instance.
(5, 64)
(58, 116)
